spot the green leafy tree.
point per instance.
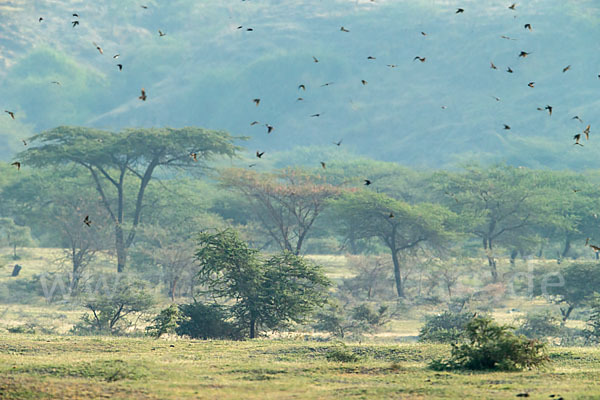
(493, 202)
(401, 227)
(114, 159)
(286, 204)
(15, 235)
(571, 287)
(267, 293)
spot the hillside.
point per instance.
(206, 72)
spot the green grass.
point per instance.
(61, 367)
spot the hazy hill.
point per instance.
(206, 72)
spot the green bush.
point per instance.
(447, 327)
(111, 308)
(202, 321)
(341, 354)
(539, 325)
(489, 346)
(164, 322)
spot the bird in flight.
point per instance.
(269, 128)
(524, 54)
(391, 215)
(344, 29)
(509, 70)
(56, 83)
(527, 26)
(323, 164)
(587, 132)
(531, 84)
(338, 143)
(301, 87)
(460, 10)
(300, 99)
(506, 37)
(327, 84)
(315, 59)
(316, 115)
(506, 127)
(256, 101)
(363, 82)
(41, 19)
(98, 48)
(259, 154)
(87, 220)
(493, 66)
(367, 182)
(116, 56)
(143, 96)
(549, 108)
(395, 65)
(120, 67)
(194, 156)
(423, 33)
(161, 33)
(371, 58)
(12, 114)
(595, 248)
(75, 23)
(577, 118)
(577, 138)
(254, 123)
(75, 15)
(251, 165)
(422, 59)
(512, 6)
(24, 142)
(144, 7)
(17, 164)
(495, 98)
(565, 69)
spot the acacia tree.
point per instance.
(493, 203)
(267, 293)
(15, 235)
(401, 227)
(59, 211)
(120, 163)
(286, 203)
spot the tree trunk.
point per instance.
(566, 313)
(252, 328)
(397, 275)
(487, 246)
(567, 246)
(15, 257)
(120, 247)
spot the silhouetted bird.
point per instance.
(259, 154)
(120, 67)
(143, 96)
(17, 164)
(87, 220)
(527, 26)
(12, 114)
(422, 59)
(161, 33)
(344, 29)
(524, 54)
(256, 101)
(75, 23)
(367, 182)
(269, 128)
(493, 66)
(506, 127)
(460, 10)
(565, 69)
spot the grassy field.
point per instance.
(60, 367)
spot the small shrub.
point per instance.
(444, 328)
(164, 322)
(489, 346)
(341, 354)
(110, 309)
(540, 325)
(592, 331)
(202, 321)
